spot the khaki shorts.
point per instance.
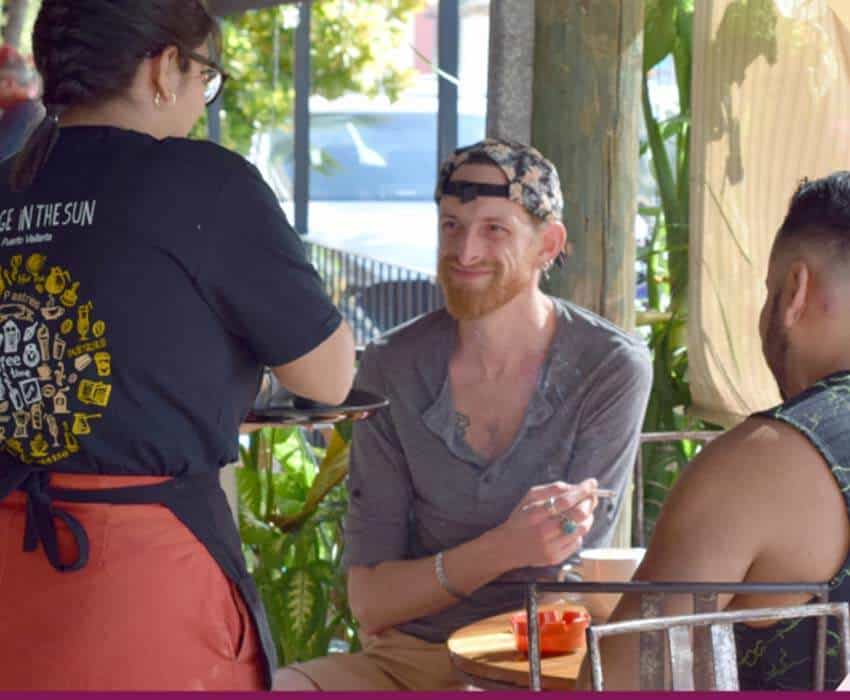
(389, 661)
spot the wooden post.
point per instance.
(587, 76)
(510, 70)
(588, 62)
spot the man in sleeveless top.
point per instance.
(506, 410)
(768, 501)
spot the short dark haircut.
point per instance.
(819, 214)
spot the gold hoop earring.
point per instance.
(157, 100)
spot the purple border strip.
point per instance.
(453, 695)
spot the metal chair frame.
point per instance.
(688, 664)
(705, 596)
(704, 436)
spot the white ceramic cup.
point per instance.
(607, 564)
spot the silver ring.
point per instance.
(568, 526)
(550, 505)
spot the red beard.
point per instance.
(470, 302)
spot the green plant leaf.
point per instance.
(683, 54)
(332, 471)
(674, 127)
(677, 120)
(254, 531)
(660, 161)
(250, 455)
(289, 507)
(304, 603)
(275, 555)
(322, 638)
(275, 605)
(250, 491)
(649, 211)
(345, 430)
(659, 31)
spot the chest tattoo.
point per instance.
(462, 423)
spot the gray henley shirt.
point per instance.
(415, 485)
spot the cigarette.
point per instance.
(601, 494)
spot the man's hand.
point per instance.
(397, 591)
(548, 525)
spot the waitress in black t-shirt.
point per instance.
(145, 280)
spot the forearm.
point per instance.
(395, 592)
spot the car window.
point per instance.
(372, 156)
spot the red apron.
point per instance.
(127, 596)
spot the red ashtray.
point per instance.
(560, 631)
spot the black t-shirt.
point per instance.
(143, 285)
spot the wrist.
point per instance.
(443, 579)
(499, 550)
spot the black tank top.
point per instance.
(781, 657)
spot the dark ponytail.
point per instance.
(88, 51)
(35, 151)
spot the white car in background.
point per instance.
(373, 166)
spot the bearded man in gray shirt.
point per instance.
(508, 409)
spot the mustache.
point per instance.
(452, 260)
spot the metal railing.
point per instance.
(374, 296)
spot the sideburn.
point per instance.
(776, 346)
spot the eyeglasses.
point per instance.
(213, 75)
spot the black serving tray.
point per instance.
(281, 407)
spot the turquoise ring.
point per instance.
(569, 526)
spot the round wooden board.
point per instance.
(485, 649)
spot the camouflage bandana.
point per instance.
(533, 181)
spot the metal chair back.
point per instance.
(638, 512)
(686, 673)
(652, 642)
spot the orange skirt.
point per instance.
(152, 610)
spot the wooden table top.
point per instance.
(486, 650)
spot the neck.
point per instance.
(503, 342)
(838, 363)
(807, 363)
(121, 114)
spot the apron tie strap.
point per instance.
(41, 525)
(196, 500)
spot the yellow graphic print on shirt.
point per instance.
(55, 364)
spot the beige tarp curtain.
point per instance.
(771, 105)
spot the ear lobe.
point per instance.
(798, 290)
(554, 239)
(162, 68)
